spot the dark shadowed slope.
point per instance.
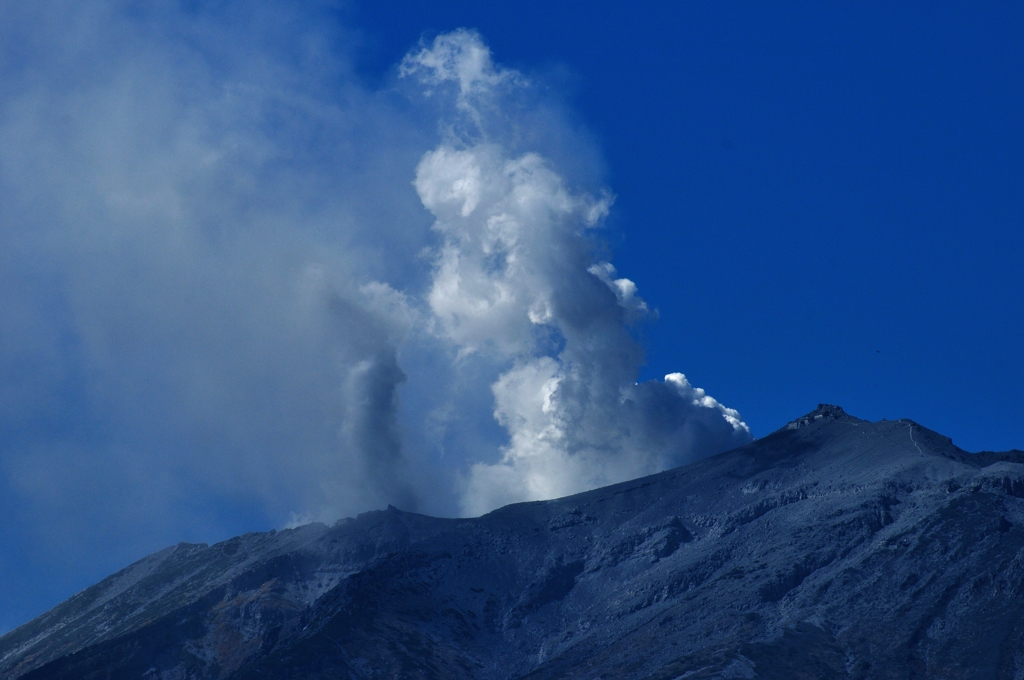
(832, 548)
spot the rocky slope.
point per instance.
(833, 548)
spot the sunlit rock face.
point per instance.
(832, 548)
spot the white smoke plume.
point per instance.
(514, 280)
(223, 305)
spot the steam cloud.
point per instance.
(222, 296)
(513, 280)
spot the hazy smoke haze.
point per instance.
(240, 287)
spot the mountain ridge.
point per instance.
(835, 548)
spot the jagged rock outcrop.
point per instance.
(833, 548)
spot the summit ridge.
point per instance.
(823, 412)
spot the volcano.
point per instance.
(832, 548)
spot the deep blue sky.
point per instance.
(825, 201)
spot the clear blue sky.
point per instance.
(825, 201)
(220, 306)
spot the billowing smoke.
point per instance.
(514, 280)
(239, 286)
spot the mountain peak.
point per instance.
(823, 412)
(822, 553)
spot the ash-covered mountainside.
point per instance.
(833, 548)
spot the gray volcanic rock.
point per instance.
(832, 548)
